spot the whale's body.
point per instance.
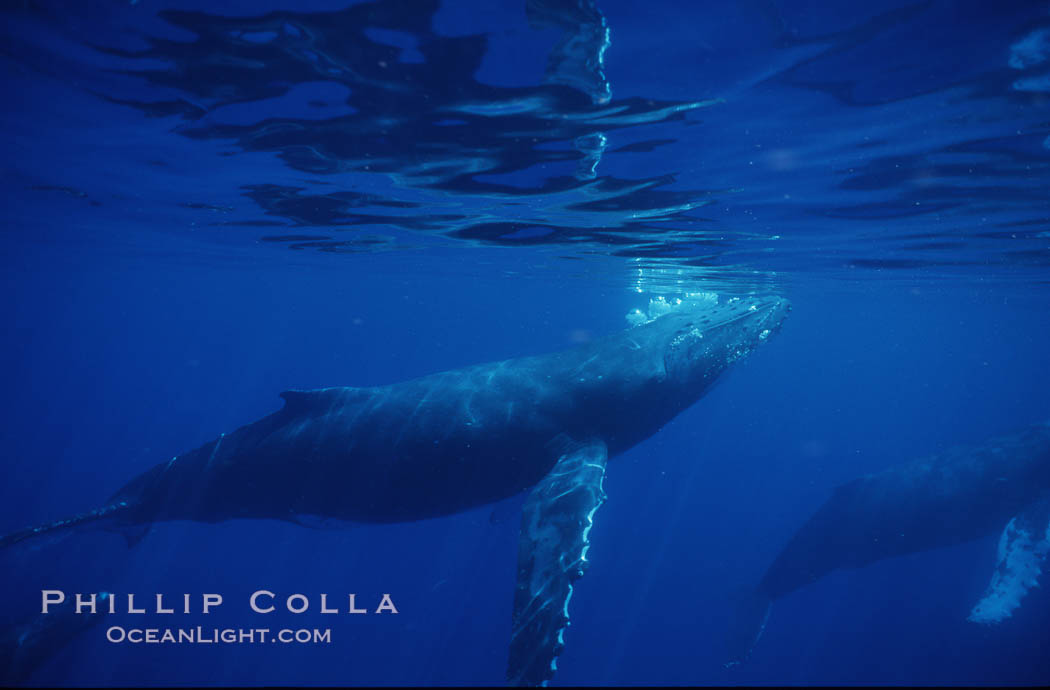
(965, 493)
(454, 440)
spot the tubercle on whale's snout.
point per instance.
(767, 315)
(763, 320)
(779, 308)
(700, 350)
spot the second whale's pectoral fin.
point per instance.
(552, 554)
(1023, 548)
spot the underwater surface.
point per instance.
(205, 204)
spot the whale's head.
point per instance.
(700, 341)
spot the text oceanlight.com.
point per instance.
(202, 635)
(261, 602)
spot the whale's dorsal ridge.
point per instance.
(301, 400)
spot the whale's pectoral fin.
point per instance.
(1023, 548)
(552, 554)
(752, 607)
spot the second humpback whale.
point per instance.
(960, 495)
(31, 643)
(458, 439)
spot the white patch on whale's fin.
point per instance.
(1023, 548)
(552, 554)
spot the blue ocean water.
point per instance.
(206, 204)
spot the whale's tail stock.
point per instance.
(751, 609)
(130, 511)
(109, 516)
(123, 513)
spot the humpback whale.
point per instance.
(960, 495)
(459, 439)
(32, 642)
